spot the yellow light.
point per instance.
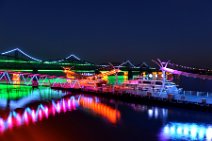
(16, 79)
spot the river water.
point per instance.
(48, 115)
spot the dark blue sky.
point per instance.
(105, 30)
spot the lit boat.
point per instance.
(152, 85)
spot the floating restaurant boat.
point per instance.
(152, 85)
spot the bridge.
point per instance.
(18, 60)
(27, 78)
(88, 83)
(68, 81)
(30, 79)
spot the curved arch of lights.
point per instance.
(72, 55)
(127, 62)
(19, 50)
(39, 60)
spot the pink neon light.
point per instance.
(31, 115)
(186, 74)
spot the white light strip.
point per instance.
(128, 61)
(35, 59)
(17, 49)
(72, 55)
(9, 51)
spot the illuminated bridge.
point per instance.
(30, 79)
(18, 60)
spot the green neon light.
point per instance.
(108, 71)
(47, 70)
(84, 71)
(17, 61)
(50, 70)
(15, 92)
(46, 63)
(17, 70)
(62, 71)
(112, 79)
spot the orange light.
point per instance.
(16, 79)
(69, 74)
(107, 112)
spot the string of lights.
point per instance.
(19, 50)
(190, 68)
(187, 74)
(39, 60)
(61, 60)
(127, 62)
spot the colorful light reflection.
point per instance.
(111, 114)
(43, 111)
(31, 115)
(187, 131)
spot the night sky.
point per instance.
(109, 30)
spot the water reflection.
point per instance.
(186, 131)
(152, 112)
(39, 108)
(157, 113)
(149, 122)
(107, 112)
(17, 92)
(28, 115)
(41, 94)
